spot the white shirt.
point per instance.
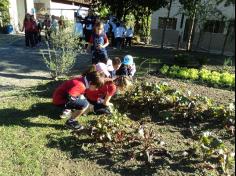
(107, 27)
(78, 29)
(101, 67)
(133, 69)
(110, 65)
(129, 33)
(119, 32)
(113, 26)
(54, 25)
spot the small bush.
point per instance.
(203, 60)
(61, 54)
(182, 59)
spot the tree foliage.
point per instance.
(4, 13)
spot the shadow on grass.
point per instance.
(13, 116)
(118, 163)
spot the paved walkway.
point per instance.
(23, 67)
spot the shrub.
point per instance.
(203, 60)
(4, 14)
(61, 54)
(164, 70)
(182, 59)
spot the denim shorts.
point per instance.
(78, 103)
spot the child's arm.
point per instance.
(133, 69)
(107, 100)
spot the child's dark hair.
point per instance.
(95, 78)
(27, 14)
(89, 70)
(116, 61)
(99, 25)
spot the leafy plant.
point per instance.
(182, 59)
(60, 56)
(4, 13)
(214, 148)
(213, 78)
(164, 70)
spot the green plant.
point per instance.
(213, 78)
(227, 79)
(60, 56)
(194, 74)
(4, 13)
(204, 74)
(173, 71)
(164, 70)
(182, 59)
(214, 148)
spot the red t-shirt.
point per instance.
(109, 89)
(28, 24)
(74, 87)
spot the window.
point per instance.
(170, 23)
(214, 26)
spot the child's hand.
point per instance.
(100, 47)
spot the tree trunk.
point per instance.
(189, 45)
(226, 38)
(165, 25)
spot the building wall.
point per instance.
(209, 41)
(14, 14)
(66, 10)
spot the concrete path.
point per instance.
(23, 67)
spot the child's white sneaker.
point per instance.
(66, 114)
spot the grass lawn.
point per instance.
(32, 138)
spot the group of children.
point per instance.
(93, 91)
(116, 31)
(33, 28)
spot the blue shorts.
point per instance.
(78, 103)
(99, 56)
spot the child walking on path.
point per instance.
(28, 26)
(98, 43)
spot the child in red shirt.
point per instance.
(100, 97)
(28, 28)
(71, 95)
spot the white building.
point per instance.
(66, 8)
(213, 34)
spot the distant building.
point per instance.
(178, 26)
(67, 8)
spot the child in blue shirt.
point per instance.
(98, 43)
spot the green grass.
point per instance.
(33, 139)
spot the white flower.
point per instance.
(232, 154)
(206, 134)
(162, 143)
(231, 107)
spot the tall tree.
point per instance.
(190, 9)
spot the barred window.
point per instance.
(171, 23)
(214, 26)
